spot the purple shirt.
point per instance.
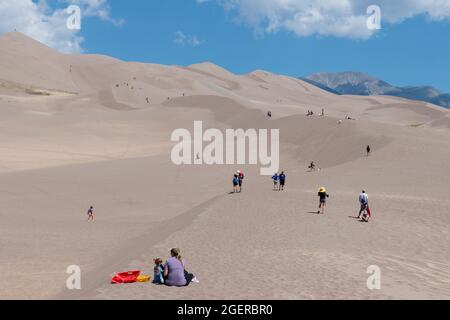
(176, 273)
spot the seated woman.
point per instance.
(174, 271)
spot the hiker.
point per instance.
(235, 183)
(312, 166)
(269, 114)
(323, 195)
(275, 179)
(175, 273)
(282, 178)
(240, 175)
(323, 112)
(148, 101)
(364, 202)
(158, 271)
(90, 214)
(368, 150)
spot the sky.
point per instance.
(291, 37)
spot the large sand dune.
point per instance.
(77, 130)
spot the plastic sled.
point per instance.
(126, 277)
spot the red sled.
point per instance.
(126, 277)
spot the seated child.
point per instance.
(158, 272)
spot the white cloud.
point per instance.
(183, 39)
(48, 25)
(341, 18)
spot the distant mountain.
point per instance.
(358, 83)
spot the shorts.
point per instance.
(282, 183)
(323, 201)
(240, 183)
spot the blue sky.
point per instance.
(410, 49)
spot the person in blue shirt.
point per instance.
(235, 183)
(158, 272)
(275, 179)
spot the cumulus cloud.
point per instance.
(341, 18)
(186, 39)
(49, 25)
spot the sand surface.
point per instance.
(77, 130)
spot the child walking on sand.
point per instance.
(90, 214)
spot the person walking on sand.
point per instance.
(364, 202)
(368, 150)
(240, 175)
(323, 195)
(275, 179)
(90, 214)
(235, 183)
(282, 178)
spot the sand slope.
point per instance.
(78, 131)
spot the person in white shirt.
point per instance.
(364, 202)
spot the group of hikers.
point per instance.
(364, 211)
(238, 179)
(279, 180)
(311, 113)
(173, 272)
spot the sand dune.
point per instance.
(78, 130)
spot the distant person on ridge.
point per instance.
(323, 195)
(368, 150)
(312, 166)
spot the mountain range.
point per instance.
(358, 83)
